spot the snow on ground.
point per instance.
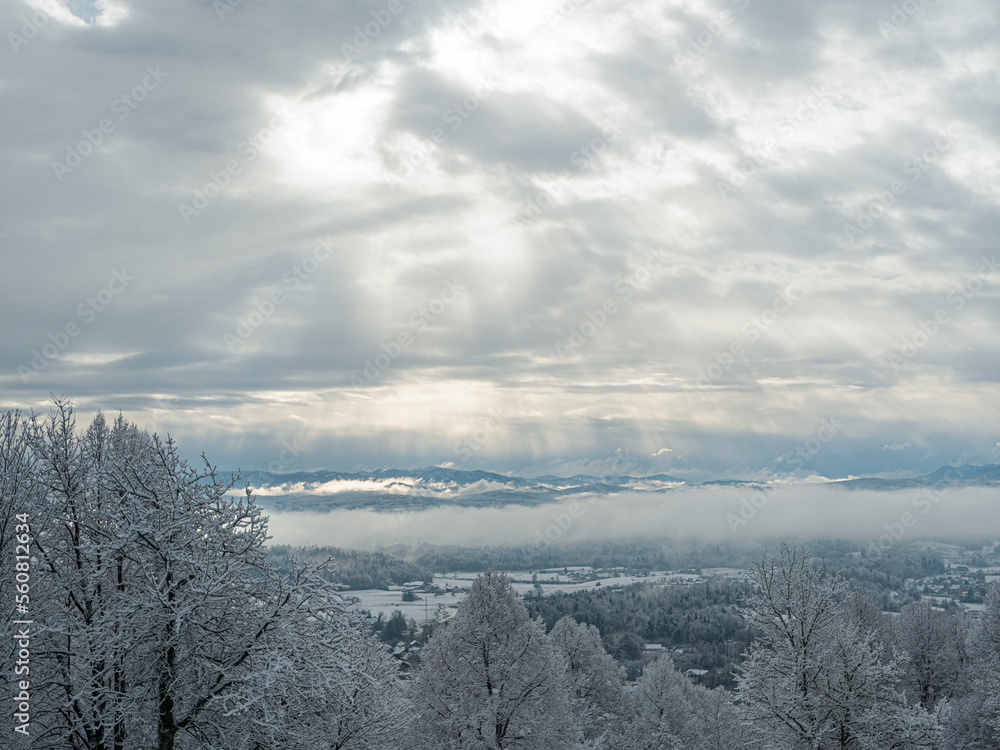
(386, 602)
(457, 584)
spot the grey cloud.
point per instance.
(524, 129)
(632, 384)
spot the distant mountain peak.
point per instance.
(393, 489)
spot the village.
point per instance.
(958, 588)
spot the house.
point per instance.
(405, 654)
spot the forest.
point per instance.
(143, 609)
(701, 622)
(354, 569)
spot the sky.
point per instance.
(729, 238)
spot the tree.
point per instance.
(661, 709)
(723, 727)
(394, 628)
(974, 721)
(934, 643)
(815, 680)
(669, 711)
(327, 686)
(863, 610)
(161, 622)
(491, 678)
(19, 495)
(88, 697)
(593, 678)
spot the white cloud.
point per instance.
(601, 199)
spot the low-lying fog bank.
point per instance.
(718, 513)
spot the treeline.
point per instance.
(882, 572)
(355, 569)
(701, 619)
(635, 555)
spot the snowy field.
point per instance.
(457, 584)
(386, 602)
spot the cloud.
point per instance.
(809, 113)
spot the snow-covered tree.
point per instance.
(974, 715)
(19, 493)
(83, 607)
(815, 680)
(861, 609)
(934, 644)
(325, 684)
(723, 725)
(492, 678)
(160, 622)
(661, 709)
(669, 711)
(594, 678)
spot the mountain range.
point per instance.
(414, 489)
